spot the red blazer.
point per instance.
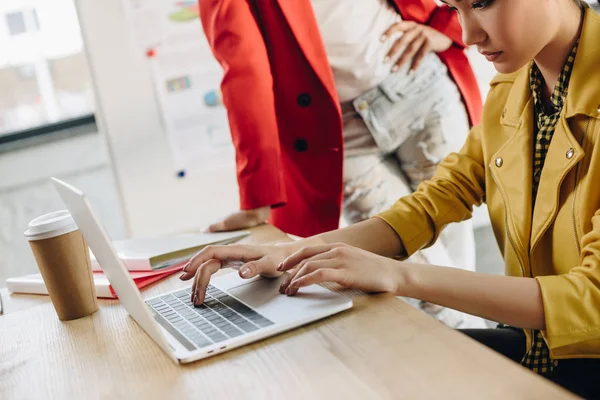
(283, 109)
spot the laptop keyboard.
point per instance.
(219, 318)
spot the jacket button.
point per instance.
(304, 100)
(499, 162)
(570, 153)
(503, 113)
(301, 145)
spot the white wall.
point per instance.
(26, 192)
(154, 199)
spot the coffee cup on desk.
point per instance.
(63, 258)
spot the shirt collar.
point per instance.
(536, 81)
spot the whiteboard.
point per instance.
(129, 113)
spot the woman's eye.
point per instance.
(478, 5)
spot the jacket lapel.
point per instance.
(582, 99)
(563, 154)
(301, 19)
(514, 176)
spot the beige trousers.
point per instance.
(374, 181)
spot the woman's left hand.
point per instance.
(346, 265)
(417, 40)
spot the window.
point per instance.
(16, 23)
(44, 74)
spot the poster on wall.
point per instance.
(186, 80)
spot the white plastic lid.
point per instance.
(51, 225)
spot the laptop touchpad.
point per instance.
(259, 292)
(263, 295)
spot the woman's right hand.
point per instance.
(251, 260)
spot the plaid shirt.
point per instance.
(537, 357)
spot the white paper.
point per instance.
(170, 37)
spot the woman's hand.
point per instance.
(251, 261)
(417, 40)
(348, 266)
(242, 219)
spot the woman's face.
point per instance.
(510, 33)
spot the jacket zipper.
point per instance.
(512, 244)
(577, 184)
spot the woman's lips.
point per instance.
(491, 56)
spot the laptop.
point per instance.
(236, 311)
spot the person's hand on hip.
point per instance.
(416, 41)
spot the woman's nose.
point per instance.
(472, 33)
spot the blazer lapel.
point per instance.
(302, 22)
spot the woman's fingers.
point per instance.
(401, 26)
(411, 49)
(264, 266)
(305, 254)
(201, 279)
(418, 58)
(403, 45)
(308, 268)
(237, 252)
(241, 219)
(338, 276)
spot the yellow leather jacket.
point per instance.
(559, 242)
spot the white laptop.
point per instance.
(236, 311)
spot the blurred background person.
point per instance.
(342, 107)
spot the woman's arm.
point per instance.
(237, 43)
(373, 235)
(511, 300)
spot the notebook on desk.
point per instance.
(156, 253)
(34, 283)
(236, 311)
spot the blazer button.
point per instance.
(570, 153)
(304, 100)
(301, 145)
(504, 113)
(499, 162)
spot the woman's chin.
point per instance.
(507, 67)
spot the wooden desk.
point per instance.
(382, 348)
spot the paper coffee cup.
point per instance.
(63, 258)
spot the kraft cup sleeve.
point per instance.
(64, 262)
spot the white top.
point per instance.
(51, 225)
(351, 31)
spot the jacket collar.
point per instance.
(583, 97)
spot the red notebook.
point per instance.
(34, 284)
